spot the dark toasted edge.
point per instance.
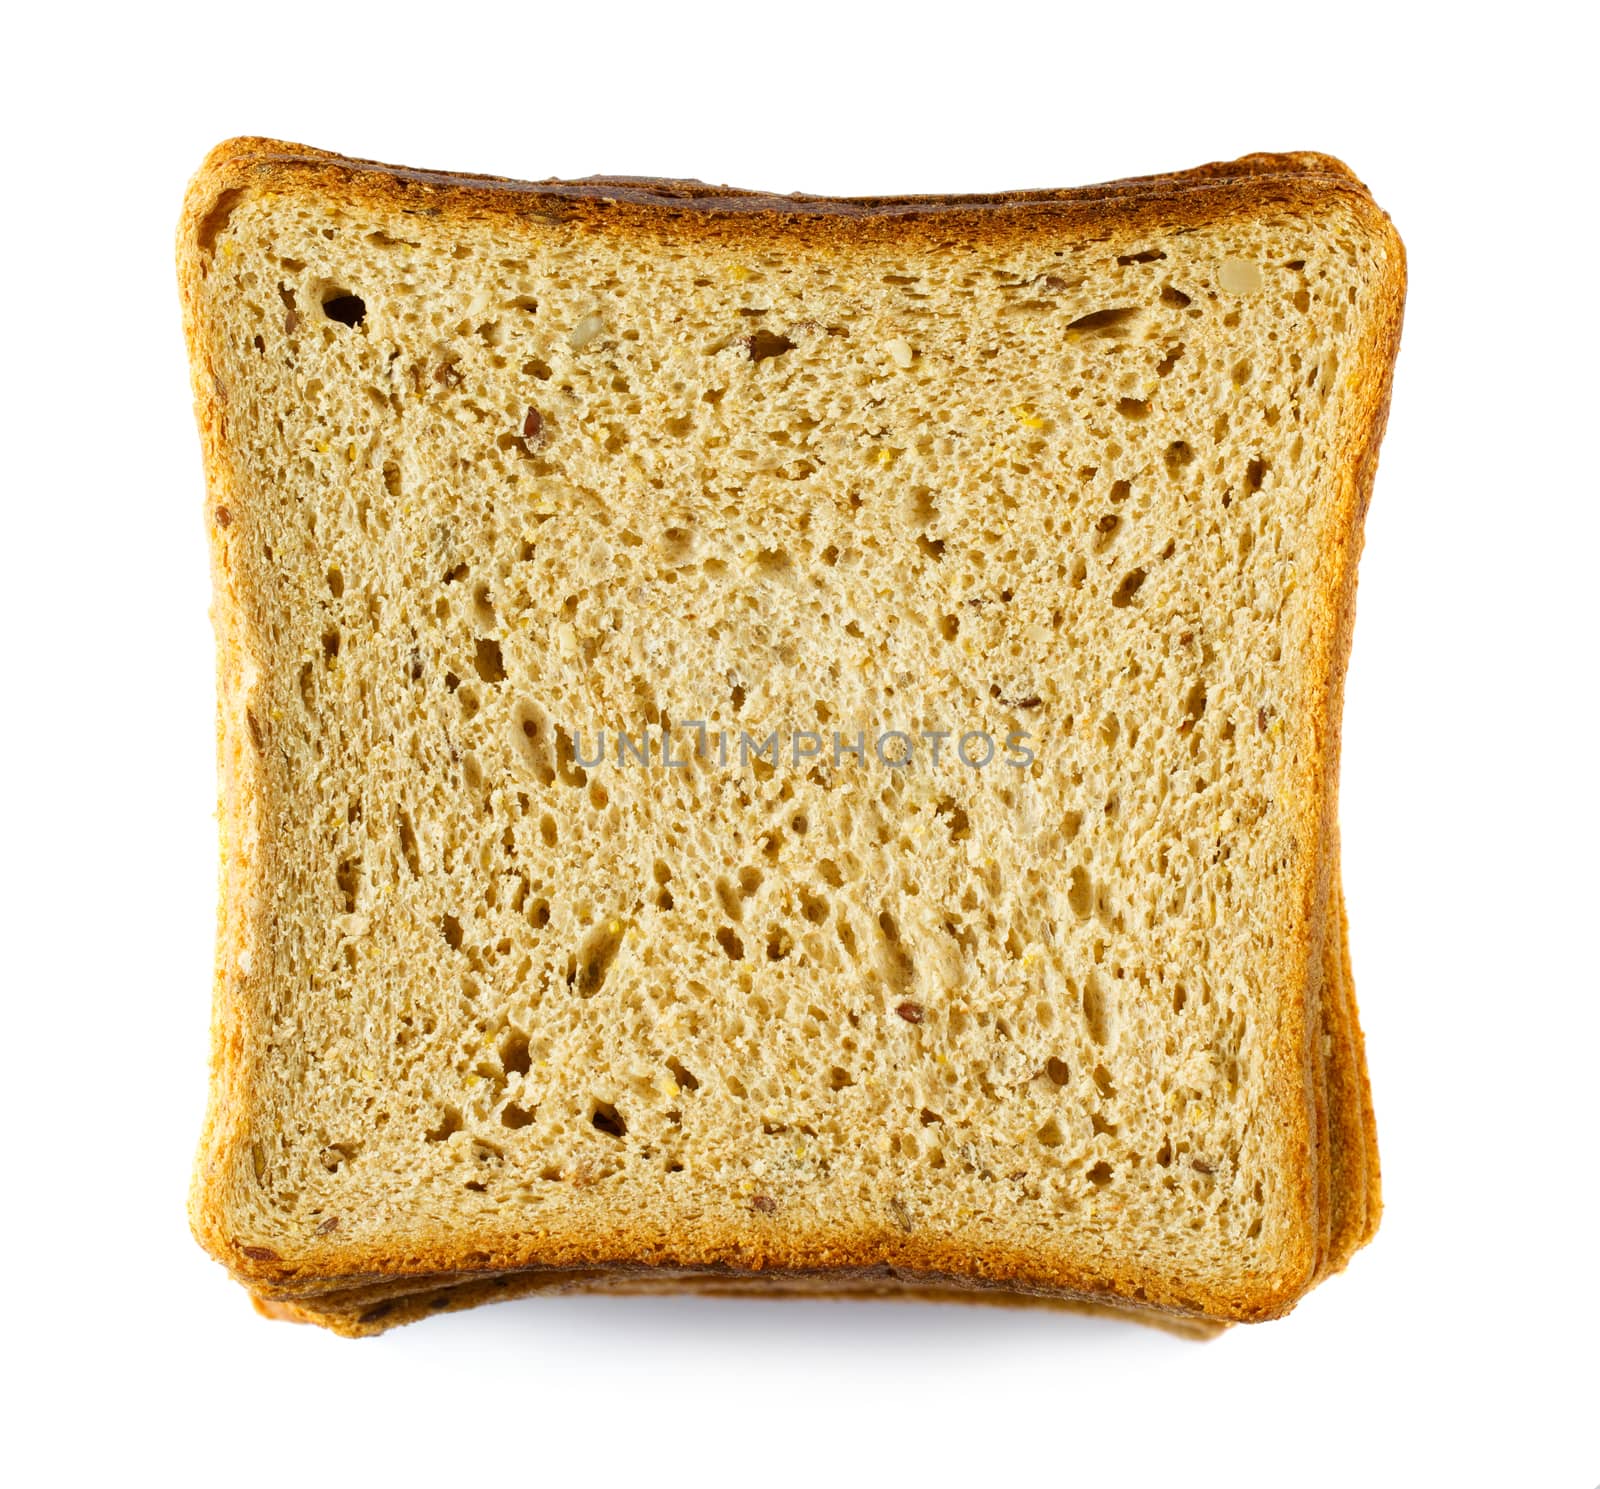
(1207, 194)
(380, 1317)
(1349, 1153)
(1373, 376)
(1368, 1125)
(246, 165)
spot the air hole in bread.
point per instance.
(408, 846)
(1114, 321)
(599, 951)
(342, 306)
(1128, 588)
(348, 877)
(1096, 1009)
(607, 1119)
(514, 1055)
(488, 660)
(533, 737)
(957, 822)
(730, 899)
(764, 345)
(449, 1122)
(1080, 895)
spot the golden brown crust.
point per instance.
(380, 1316)
(1207, 194)
(1347, 1154)
(1372, 379)
(1368, 1125)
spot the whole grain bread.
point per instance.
(492, 464)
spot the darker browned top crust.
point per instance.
(240, 167)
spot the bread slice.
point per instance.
(489, 462)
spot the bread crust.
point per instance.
(1211, 193)
(1367, 1123)
(387, 1314)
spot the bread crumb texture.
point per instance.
(477, 484)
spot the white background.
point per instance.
(1458, 1349)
